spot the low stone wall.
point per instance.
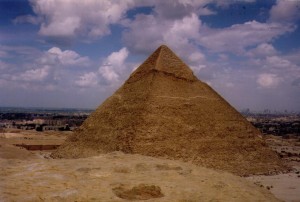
(38, 147)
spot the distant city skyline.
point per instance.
(74, 54)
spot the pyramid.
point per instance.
(163, 110)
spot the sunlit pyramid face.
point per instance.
(163, 110)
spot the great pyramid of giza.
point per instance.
(163, 110)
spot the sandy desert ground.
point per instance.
(33, 176)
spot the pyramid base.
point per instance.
(242, 163)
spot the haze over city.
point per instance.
(59, 53)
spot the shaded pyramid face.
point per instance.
(163, 110)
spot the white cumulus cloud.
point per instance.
(278, 62)
(87, 80)
(58, 57)
(114, 65)
(111, 72)
(240, 36)
(38, 74)
(177, 34)
(268, 80)
(67, 18)
(285, 11)
(49, 69)
(262, 50)
(27, 19)
(178, 9)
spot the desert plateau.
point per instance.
(31, 175)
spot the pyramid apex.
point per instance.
(164, 46)
(163, 60)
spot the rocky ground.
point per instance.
(288, 148)
(33, 176)
(285, 186)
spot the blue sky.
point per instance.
(73, 53)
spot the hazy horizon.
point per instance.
(245, 110)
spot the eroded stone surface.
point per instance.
(107, 177)
(163, 110)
